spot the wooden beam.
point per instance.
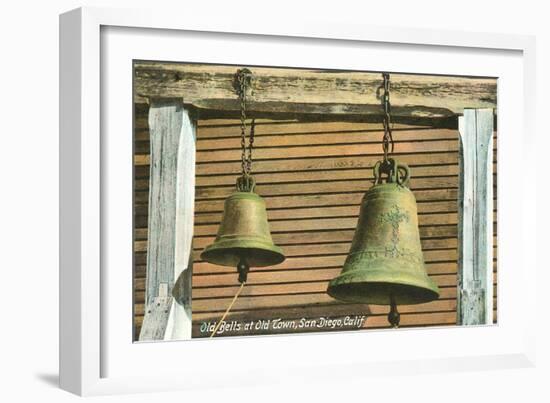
(312, 94)
(180, 323)
(475, 235)
(170, 228)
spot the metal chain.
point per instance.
(250, 147)
(242, 80)
(387, 140)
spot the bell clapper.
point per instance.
(393, 316)
(243, 269)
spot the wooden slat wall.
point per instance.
(312, 177)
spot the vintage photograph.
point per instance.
(271, 200)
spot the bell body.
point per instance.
(385, 261)
(243, 233)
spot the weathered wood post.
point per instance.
(170, 229)
(475, 221)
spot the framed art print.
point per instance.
(262, 195)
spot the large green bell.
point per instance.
(385, 265)
(243, 234)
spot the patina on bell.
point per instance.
(243, 235)
(385, 265)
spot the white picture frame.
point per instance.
(97, 357)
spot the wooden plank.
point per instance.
(326, 151)
(333, 175)
(333, 308)
(226, 121)
(156, 319)
(476, 206)
(324, 163)
(325, 237)
(315, 163)
(272, 302)
(355, 137)
(228, 128)
(351, 186)
(311, 311)
(298, 92)
(284, 140)
(342, 248)
(289, 300)
(228, 289)
(199, 266)
(313, 200)
(365, 174)
(298, 213)
(222, 276)
(215, 286)
(170, 224)
(321, 261)
(338, 223)
(324, 200)
(420, 186)
(179, 324)
(141, 121)
(329, 248)
(319, 236)
(301, 213)
(303, 126)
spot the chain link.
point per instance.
(250, 147)
(387, 141)
(242, 81)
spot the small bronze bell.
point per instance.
(243, 236)
(385, 265)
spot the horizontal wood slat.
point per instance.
(358, 137)
(332, 248)
(280, 301)
(204, 157)
(314, 163)
(226, 285)
(222, 276)
(264, 127)
(213, 129)
(245, 303)
(312, 200)
(319, 236)
(327, 248)
(329, 306)
(364, 174)
(209, 217)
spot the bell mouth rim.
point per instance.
(428, 295)
(358, 292)
(271, 254)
